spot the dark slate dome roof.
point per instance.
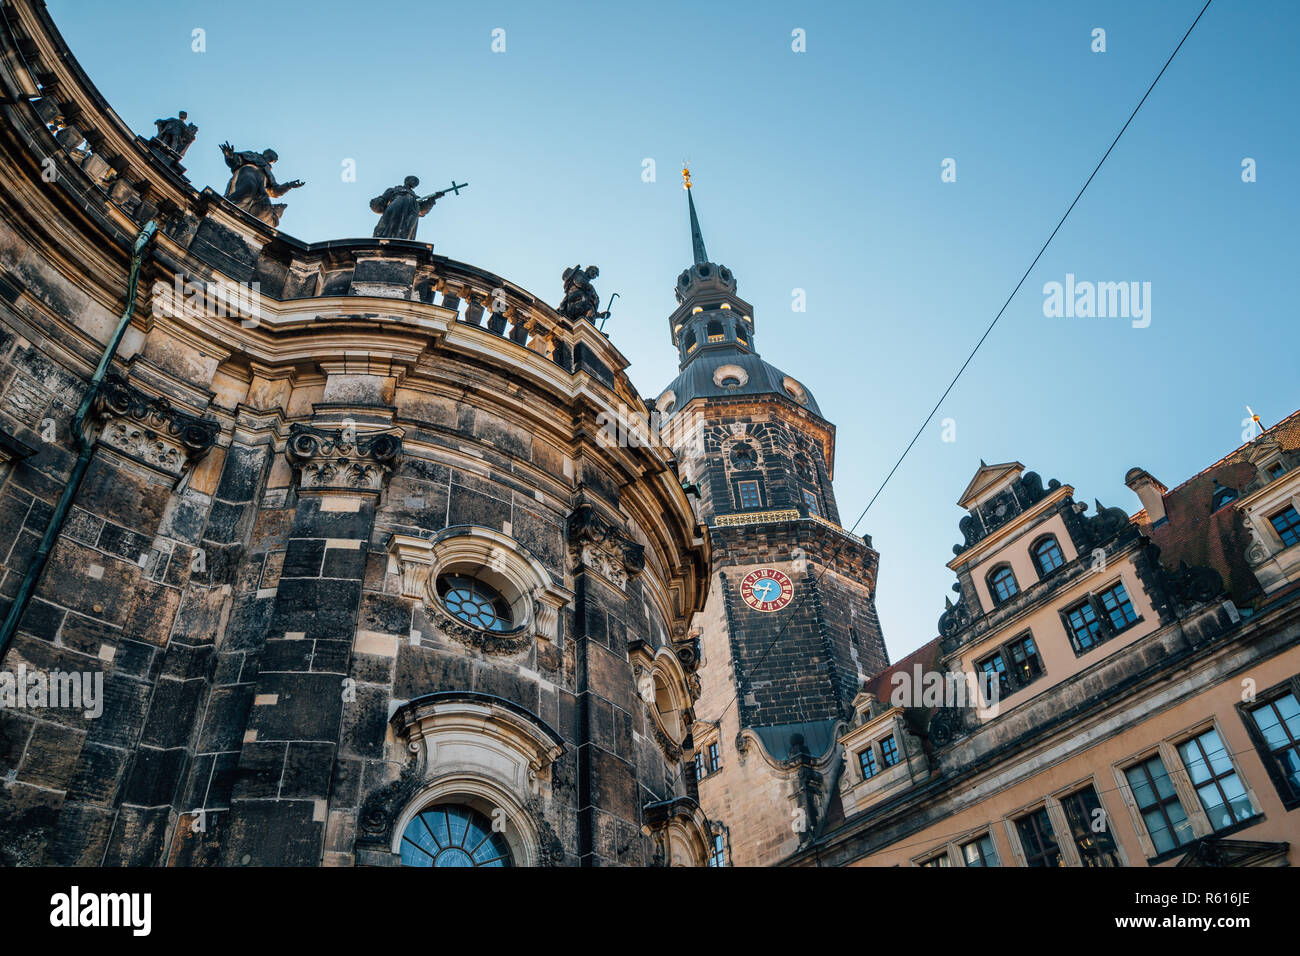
(700, 380)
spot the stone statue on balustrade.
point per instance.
(580, 298)
(252, 184)
(400, 209)
(175, 133)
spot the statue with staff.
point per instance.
(400, 208)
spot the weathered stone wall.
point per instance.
(257, 633)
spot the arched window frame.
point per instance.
(990, 580)
(665, 689)
(503, 756)
(1034, 556)
(535, 598)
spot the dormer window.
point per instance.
(730, 376)
(743, 455)
(1002, 584)
(1276, 470)
(1222, 496)
(1047, 555)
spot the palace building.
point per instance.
(1145, 674)
(369, 557)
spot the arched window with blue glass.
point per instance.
(1046, 552)
(1002, 584)
(453, 835)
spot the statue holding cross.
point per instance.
(400, 208)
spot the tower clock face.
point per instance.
(766, 589)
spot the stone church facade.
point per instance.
(362, 577)
(352, 554)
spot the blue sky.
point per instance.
(819, 171)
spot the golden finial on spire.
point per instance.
(686, 176)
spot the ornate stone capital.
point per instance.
(149, 430)
(602, 547)
(342, 460)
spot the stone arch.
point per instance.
(482, 752)
(680, 830)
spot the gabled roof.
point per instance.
(1197, 533)
(927, 655)
(987, 478)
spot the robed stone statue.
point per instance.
(175, 133)
(400, 209)
(580, 298)
(252, 184)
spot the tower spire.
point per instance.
(697, 237)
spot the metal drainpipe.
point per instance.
(85, 447)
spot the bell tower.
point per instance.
(789, 631)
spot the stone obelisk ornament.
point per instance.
(252, 185)
(400, 208)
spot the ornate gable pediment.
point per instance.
(1212, 851)
(987, 478)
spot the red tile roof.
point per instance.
(1218, 540)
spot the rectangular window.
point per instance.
(980, 851)
(992, 666)
(1026, 663)
(699, 766)
(1015, 665)
(810, 500)
(718, 857)
(1276, 470)
(940, 860)
(1090, 827)
(889, 751)
(1157, 802)
(1119, 609)
(867, 761)
(1277, 726)
(1085, 628)
(1287, 525)
(1215, 778)
(1038, 840)
(749, 497)
(715, 759)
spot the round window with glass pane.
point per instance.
(453, 835)
(475, 602)
(743, 455)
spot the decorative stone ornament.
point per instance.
(601, 547)
(149, 430)
(344, 460)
